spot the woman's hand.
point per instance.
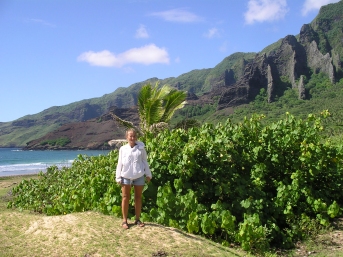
(148, 179)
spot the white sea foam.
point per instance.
(15, 161)
(29, 168)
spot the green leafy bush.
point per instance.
(87, 185)
(267, 182)
(253, 184)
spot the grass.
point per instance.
(24, 233)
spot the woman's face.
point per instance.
(131, 138)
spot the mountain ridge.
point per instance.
(235, 81)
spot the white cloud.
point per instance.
(103, 58)
(42, 22)
(312, 5)
(141, 32)
(265, 10)
(177, 60)
(146, 55)
(177, 15)
(212, 33)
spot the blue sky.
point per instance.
(55, 52)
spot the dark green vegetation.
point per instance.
(323, 96)
(60, 142)
(87, 185)
(254, 185)
(329, 31)
(197, 110)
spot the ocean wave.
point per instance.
(32, 167)
(15, 161)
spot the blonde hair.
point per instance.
(131, 130)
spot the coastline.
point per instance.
(15, 161)
(19, 175)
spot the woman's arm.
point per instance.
(146, 165)
(119, 167)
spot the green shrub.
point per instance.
(87, 185)
(256, 185)
(268, 179)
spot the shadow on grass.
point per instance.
(190, 236)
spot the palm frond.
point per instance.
(156, 105)
(143, 97)
(149, 105)
(173, 101)
(154, 111)
(124, 123)
(161, 93)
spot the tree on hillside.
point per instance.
(156, 107)
(187, 124)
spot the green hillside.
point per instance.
(19, 132)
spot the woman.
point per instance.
(132, 169)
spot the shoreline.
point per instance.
(15, 161)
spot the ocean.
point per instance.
(15, 161)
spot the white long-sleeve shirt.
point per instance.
(132, 162)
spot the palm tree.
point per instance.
(156, 107)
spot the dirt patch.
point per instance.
(7, 184)
(51, 226)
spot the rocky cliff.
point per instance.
(318, 48)
(292, 60)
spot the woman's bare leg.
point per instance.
(125, 191)
(138, 201)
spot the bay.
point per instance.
(15, 161)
